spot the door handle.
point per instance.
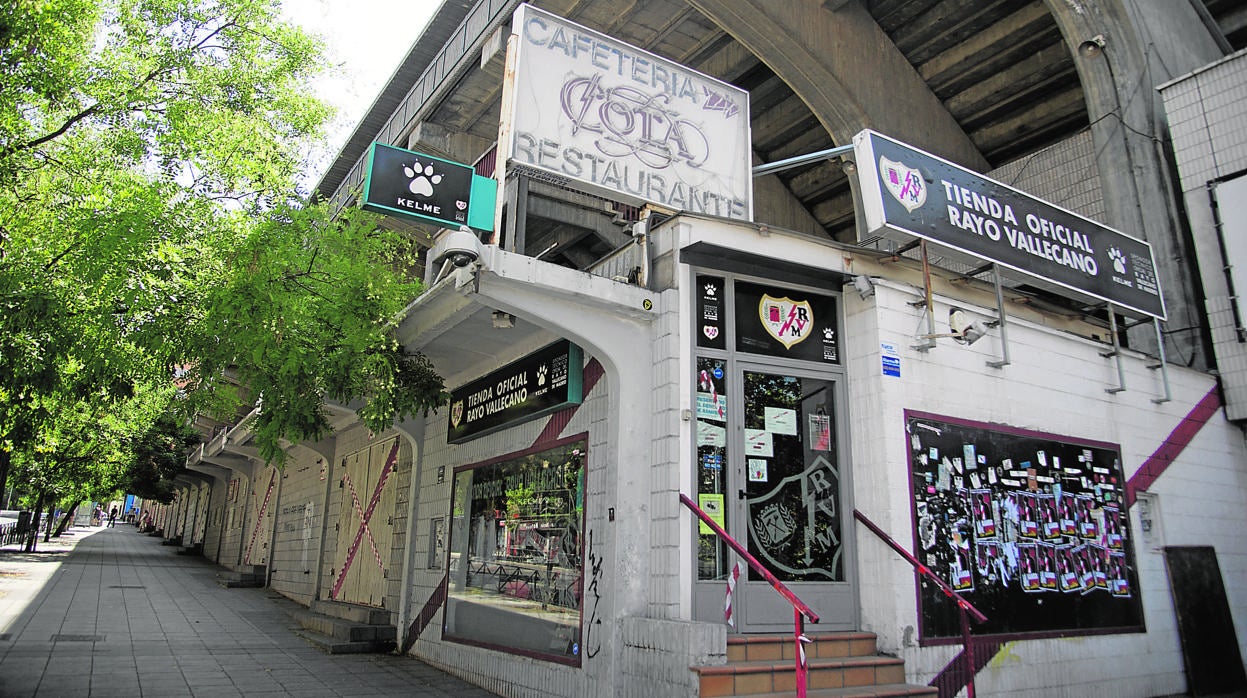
(740, 494)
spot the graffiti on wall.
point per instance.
(593, 626)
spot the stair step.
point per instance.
(358, 614)
(761, 677)
(342, 629)
(236, 580)
(840, 665)
(776, 647)
(332, 645)
(892, 690)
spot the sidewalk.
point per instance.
(112, 612)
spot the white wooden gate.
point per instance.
(365, 526)
(262, 503)
(200, 521)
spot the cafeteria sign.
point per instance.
(624, 123)
(424, 188)
(542, 382)
(907, 192)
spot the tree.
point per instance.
(150, 221)
(310, 318)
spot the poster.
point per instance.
(711, 435)
(758, 442)
(780, 421)
(757, 470)
(1028, 526)
(712, 504)
(820, 432)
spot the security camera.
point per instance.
(965, 329)
(865, 287)
(459, 247)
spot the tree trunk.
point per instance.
(64, 524)
(47, 528)
(33, 535)
(6, 460)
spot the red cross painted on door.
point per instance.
(353, 582)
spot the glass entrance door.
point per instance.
(792, 482)
(770, 456)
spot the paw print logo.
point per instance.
(829, 335)
(711, 289)
(422, 179)
(542, 370)
(1119, 260)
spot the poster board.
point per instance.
(1031, 528)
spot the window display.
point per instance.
(516, 553)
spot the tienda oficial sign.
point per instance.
(542, 382)
(624, 123)
(908, 193)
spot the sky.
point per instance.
(366, 39)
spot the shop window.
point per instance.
(713, 556)
(515, 553)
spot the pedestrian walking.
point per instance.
(112, 517)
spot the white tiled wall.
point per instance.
(1056, 383)
(1208, 123)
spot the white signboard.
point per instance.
(624, 123)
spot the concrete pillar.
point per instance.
(838, 60)
(1123, 49)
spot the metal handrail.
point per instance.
(965, 608)
(800, 610)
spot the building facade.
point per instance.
(652, 324)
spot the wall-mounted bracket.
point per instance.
(1001, 321)
(1161, 364)
(1115, 353)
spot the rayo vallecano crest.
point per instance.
(788, 321)
(456, 414)
(904, 183)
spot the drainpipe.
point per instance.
(324, 526)
(246, 506)
(272, 533)
(416, 437)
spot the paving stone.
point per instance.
(179, 635)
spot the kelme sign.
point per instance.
(424, 188)
(542, 382)
(906, 192)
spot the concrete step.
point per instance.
(897, 690)
(231, 579)
(840, 665)
(776, 647)
(341, 628)
(331, 645)
(753, 678)
(359, 614)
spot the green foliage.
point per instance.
(309, 318)
(158, 454)
(150, 221)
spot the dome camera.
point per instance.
(459, 247)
